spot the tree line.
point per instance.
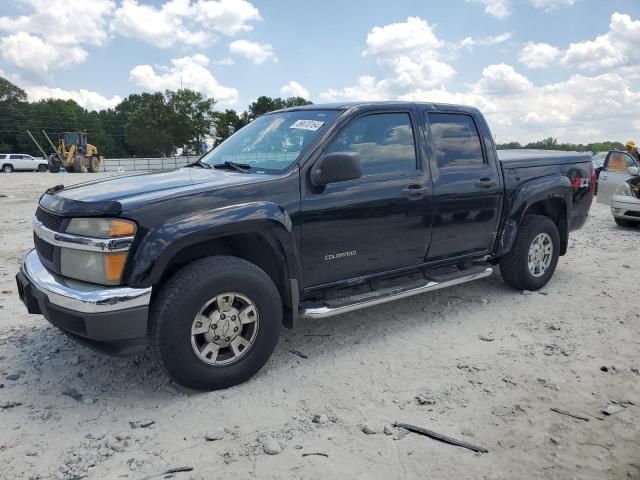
(551, 143)
(142, 125)
(159, 124)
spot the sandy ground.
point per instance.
(572, 346)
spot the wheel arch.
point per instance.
(266, 240)
(548, 196)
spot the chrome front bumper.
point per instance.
(80, 296)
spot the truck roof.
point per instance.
(386, 104)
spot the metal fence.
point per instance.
(133, 164)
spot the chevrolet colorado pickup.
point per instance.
(306, 212)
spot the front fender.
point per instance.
(161, 244)
(534, 191)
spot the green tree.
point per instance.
(9, 91)
(148, 130)
(194, 118)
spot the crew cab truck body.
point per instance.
(307, 213)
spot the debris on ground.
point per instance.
(569, 414)
(9, 404)
(298, 353)
(319, 454)
(441, 438)
(486, 338)
(73, 393)
(215, 435)
(141, 423)
(270, 446)
(368, 429)
(612, 409)
(424, 398)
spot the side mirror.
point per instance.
(633, 171)
(336, 167)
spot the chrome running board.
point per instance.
(328, 311)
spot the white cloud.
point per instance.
(52, 36)
(502, 80)
(63, 22)
(618, 47)
(163, 27)
(226, 16)
(183, 21)
(367, 88)
(256, 52)
(504, 8)
(538, 55)
(190, 72)
(294, 89)
(31, 53)
(405, 37)
(470, 42)
(85, 98)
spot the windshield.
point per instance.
(273, 142)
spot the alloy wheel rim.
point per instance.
(540, 254)
(224, 329)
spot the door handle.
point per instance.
(415, 190)
(486, 183)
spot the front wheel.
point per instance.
(532, 260)
(94, 164)
(80, 164)
(215, 323)
(42, 168)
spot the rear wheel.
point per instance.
(7, 168)
(94, 164)
(534, 256)
(623, 222)
(80, 164)
(215, 323)
(54, 164)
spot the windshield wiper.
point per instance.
(199, 163)
(240, 167)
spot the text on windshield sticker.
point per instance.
(312, 125)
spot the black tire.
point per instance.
(42, 168)
(94, 164)
(623, 222)
(181, 298)
(7, 168)
(514, 266)
(54, 164)
(80, 164)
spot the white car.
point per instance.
(11, 162)
(614, 173)
(625, 202)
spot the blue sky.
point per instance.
(565, 68)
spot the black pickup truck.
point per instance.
(307, 212)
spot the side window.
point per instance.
(456, 140)
(384, 142)
(15, 157)
(619, 162)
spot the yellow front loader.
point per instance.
(74, 154)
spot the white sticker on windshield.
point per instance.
(312, 125)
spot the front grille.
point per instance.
(52, 222)
(631, 213)
(43, 248)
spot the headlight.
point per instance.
(101, 227)
(103, 266)
(624, 190)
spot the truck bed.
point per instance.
(538, 158)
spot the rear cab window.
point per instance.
(456, 141)
(385, 143)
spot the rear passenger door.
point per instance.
(19, 162)
(614, 173)
(467, 187)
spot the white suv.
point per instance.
(10, 162)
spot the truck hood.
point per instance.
(108, 196)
